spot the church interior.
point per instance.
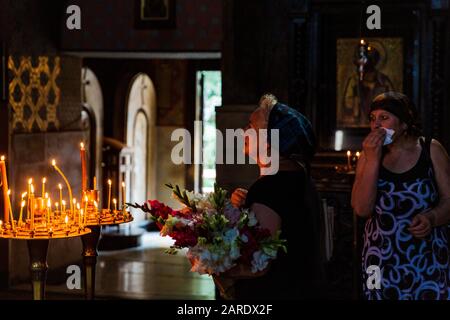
(92, 93)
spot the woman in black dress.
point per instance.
(284, 201)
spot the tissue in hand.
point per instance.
(388, 137)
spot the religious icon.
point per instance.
(365, 68)
(155, 13)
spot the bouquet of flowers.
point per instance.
(218, 236)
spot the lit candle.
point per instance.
(115, 204)
(109, 194)
(30, 181)
(22, 204)
(32, 204)
(349, 154)
(83, 167)
(63, 205)
(81, 220)
(79, 214)
(66, 221)
(66, 181)
(358, 154)
(43, 188)
(5, 188)
(124, 196)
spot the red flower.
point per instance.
(184, 238)
(160, 210)
(254, 237)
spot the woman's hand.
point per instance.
(421, 226)
(238, 197)
(373, 144)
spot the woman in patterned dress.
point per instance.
(403, 188)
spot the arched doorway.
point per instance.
(92, 120)
(140, 136)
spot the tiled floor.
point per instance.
(139, 273)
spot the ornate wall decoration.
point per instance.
(34, 94)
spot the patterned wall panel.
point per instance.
(34, 94)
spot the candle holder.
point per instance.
(95, 219)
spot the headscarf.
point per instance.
(399, 105)
(297, 139)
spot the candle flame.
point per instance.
(78, 206)
(54, 162)
(362, 41)
(82, 146)
(44, 180)
(349, 153)
(115, 201)
(109, 181)
(123, 184)
(32, 188)
(66, 219)
(2, 158)
(63, 202)
(358, 154)
(30, 181)
(60, 186)
(49, 203)
(46, 195)
(86, 198)
(24, 195)
(74, 201)
(95, 204)
(22, 204)
(9, 192)
(56, 204)
(1, 222)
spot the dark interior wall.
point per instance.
(255, 53)
(108, 25)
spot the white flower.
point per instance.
(260, 261)
(252, 221)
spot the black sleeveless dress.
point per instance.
(411, 268)
(293, 275)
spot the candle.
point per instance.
(86, 200)
(79, 214)
(10, 211)
(49, 210)
(81, 220)
(1, 226)
(43, 188)
(124, 196)
(115, 204)
(66, 181)
(22, 204)
(349, 154)
(83, 168)
(30, 181)
(95, 183)
(66, 220)
(5, 188)
(60, 193)
(63, 205)
(109, 194)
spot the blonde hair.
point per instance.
(266, 103)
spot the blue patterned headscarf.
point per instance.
(297, 138)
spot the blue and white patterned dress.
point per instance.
(411, 268)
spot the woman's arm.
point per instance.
(440, 215)
(364, 192)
